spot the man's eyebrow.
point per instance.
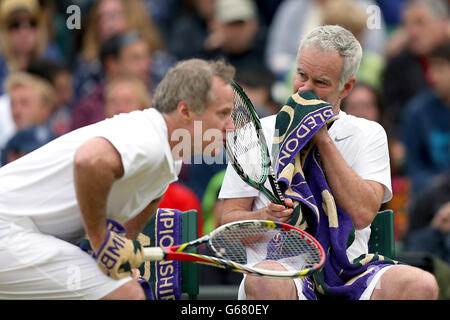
(322, 79)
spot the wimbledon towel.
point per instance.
(302, 179)
(164, 229)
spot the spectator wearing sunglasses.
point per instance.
(23, 37)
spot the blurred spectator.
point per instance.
(32, 103)
(26, 141)
(425, 25)
(258, 86)
(122, 55)
(60, 78)
(23, 36)
(238, 35)
(126, 94)
(164, 13)
(429, 229)
(295, 18)
(112, 17)
(32, 99)
(426, 124)
(366, 102)
(190, 31)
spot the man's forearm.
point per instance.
(358, 197)
(96, 167)
(135, 226)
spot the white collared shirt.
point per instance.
(362, 144)
(40, 185)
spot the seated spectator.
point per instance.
(60, 78)
(23, 37)
(122, 55)
(106, 19)
(426, 124)
(32, 99)
(190, 30)
(32, 103)
(366, 102)
(126, 94)
(26, 141)
(425, 25)
(257, 84)
(429, 229)
(238, 35)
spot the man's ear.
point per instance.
(184, 112)
(347, 88)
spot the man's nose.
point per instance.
(229, 124)
(306, 86)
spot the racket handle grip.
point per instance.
(153, 253)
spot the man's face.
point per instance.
(134, 60)
(215, 119)
(238, 36)
(26, 107)
(320, 72)
(423, 30)
(123, 98)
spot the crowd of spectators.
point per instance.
(55, 78)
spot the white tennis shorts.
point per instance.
(299, 285)
(34, 265)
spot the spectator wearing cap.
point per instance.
(26, 141)
(125, 54)
(23, 36)
(238, 35)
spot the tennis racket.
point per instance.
(247, 150)
(255, 247)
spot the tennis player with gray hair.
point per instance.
(354, 159)
(114, 170)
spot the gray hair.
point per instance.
(336, 39)
(190, 81)
(438, 8)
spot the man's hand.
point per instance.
(278, 212)
(119, 255)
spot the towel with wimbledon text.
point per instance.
(163, 230)
(302, 179)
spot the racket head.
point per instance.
(246, 146)
(267, 249)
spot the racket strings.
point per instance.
(269, 249)
(244, 143)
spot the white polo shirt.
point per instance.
(362, 144)
(40, 185)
